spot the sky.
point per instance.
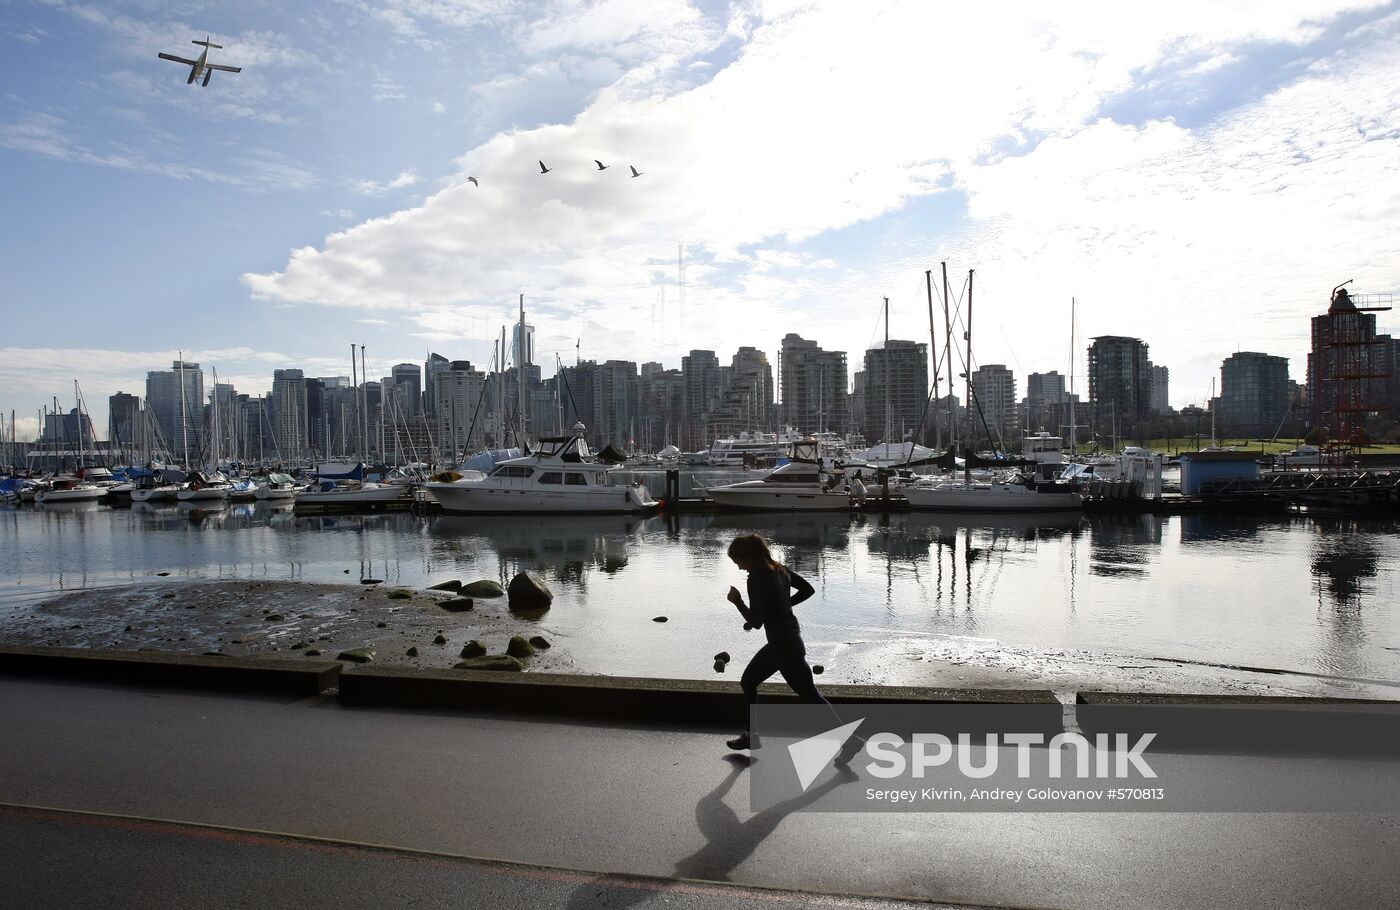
(1199, 175)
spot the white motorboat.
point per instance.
(70, 489)
(353, 494)
(561, 477)
(801, 485)
(1015, 493)
(243, 490)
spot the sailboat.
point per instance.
(1014, 492)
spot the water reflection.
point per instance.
(1290, 592)
(1124, 545)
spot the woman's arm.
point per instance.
(798, 583)
(738, 602)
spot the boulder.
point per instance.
(453, 585)
(371, 581)
(440, 639)
(381, 625)
(273, 617)
(474, 648)
(412, 652)
(493, 662)
(482, 588)
(528, 590)
(356, 655)
(719, 666)
(400, 594)
(312, 652)
(659, 619)
(540, 642)
(519, 647)
(722, 657)
(817, 669)
(456, 604)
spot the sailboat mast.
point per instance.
(82, 442)
(520, 361)
(932, 356)
(364, 399)
(355, 392)
(967, 465)
(184, 419)
(1073, 427)
(948, 352)
(889, 414)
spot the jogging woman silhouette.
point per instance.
(770, 608)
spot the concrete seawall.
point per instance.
(292, 677)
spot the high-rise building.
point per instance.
(1044, 391)
(291, 417)
(434, 365)
(123, 419)
(407, 393)
(993, 403)
(1350, 371)
(1120, 385)
(813, 387)
(175, 399)
(895, 389)
(616, 403)
(700, 370)
(1254, 394)
(461, 420)
(517, 356)
(1161, 400)
(746, 402)
(68, 432)
(576, 398)
(663, 407)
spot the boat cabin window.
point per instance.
(506, 470)
(576, 480)
(552, 477)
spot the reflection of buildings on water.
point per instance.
(1222, 527)
(1123, 545)
(803, 538)
(566, 546)
(1343, 561)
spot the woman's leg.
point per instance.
(793, 666)
(761, 666)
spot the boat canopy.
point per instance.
(341, 470)
(279, 478)
(485, 461)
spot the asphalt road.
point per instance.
(650, 802)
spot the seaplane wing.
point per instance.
(177, 59)
(226, 69)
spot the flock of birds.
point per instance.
(545, 170)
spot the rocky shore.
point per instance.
(387, 625)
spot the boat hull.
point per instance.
(205, 495)
(53, 497)
(989, 498)
(267, 494)
(155, 494)
(352, 498)
(742, 496)
(480, 499)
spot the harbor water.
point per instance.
(1304, 595)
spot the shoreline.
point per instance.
(316, 621)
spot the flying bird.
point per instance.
(635, 172)
(543, 169)
(601, 165)
(472, 180)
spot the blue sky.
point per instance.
(1198, 176)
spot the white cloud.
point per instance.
(439, 107)
(832, 117)
(406, 177)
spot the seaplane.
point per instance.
(200, 66)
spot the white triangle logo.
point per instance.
(811, 755)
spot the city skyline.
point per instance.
(1199, 179)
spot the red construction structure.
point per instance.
(1349, 371)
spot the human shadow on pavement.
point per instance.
(729, 841)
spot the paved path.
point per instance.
(641, 801)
